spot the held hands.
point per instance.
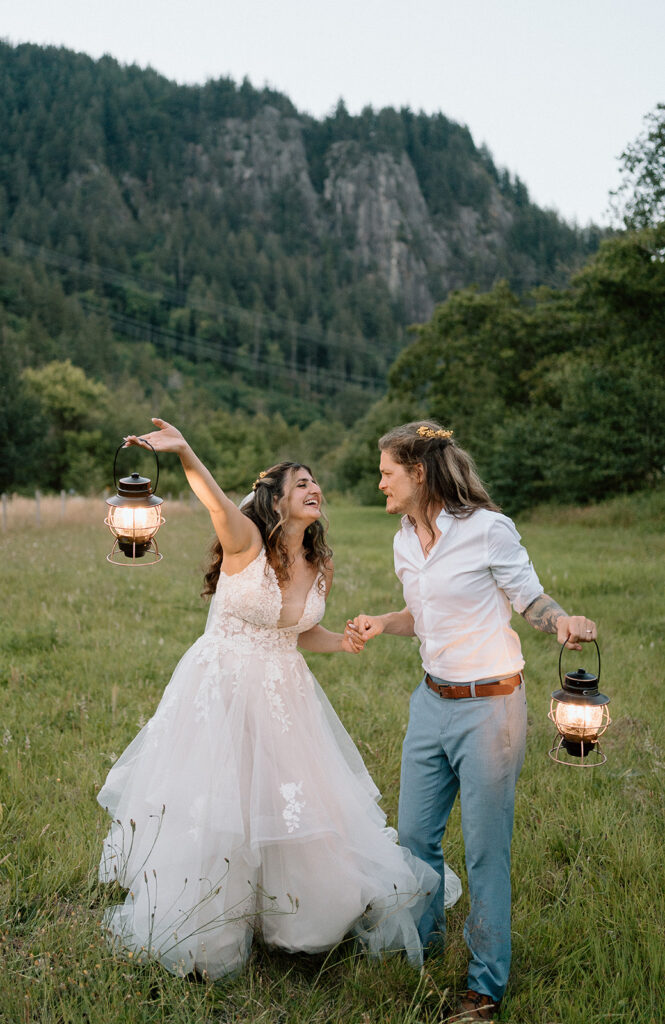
(352, 642)
(167, 439)
(575, 630)
(363, 628)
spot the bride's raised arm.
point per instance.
(236, 532)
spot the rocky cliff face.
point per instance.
(264, 155)
(370, 200)
(375, 198)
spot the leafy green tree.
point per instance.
(469, 363)
(75, 408)
(640, 199)
(621, 292)
(67, 396)
(595, 433)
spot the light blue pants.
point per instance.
(476, 746)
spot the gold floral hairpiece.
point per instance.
(428, 433)
(259, 479)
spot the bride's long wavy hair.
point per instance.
(270, 516)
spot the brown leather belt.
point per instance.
(497, 689)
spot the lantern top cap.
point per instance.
(133, 483)
(580, 678)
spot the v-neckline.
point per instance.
(292, 625)
(442, 533)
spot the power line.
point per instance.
(175, 296)
(194, 345)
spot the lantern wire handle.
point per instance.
(119, 449)
(563, 645)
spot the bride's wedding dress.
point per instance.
(243, 805)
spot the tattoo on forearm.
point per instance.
(543, 614)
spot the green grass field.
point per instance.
(85, 652)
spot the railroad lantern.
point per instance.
(580, 713)
(134, 517)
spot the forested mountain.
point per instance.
(211, 248)
(343, 230)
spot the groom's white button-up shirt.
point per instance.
(460, 595)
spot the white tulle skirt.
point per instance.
(243, 806)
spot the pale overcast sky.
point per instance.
(555, 88)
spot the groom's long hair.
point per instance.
(451, 478)
(269, 516)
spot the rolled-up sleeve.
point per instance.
(510, 565)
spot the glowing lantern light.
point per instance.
(134, 517)
(581, 716)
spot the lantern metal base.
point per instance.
(149, 554)
(578, 756)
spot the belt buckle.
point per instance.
(440, 689)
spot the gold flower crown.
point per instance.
(259, 479)
(428, 433)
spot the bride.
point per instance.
(243, 806)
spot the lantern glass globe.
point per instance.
(134, 524)
(579, 721)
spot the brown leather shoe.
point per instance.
(476, 1006)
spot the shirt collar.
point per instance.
(442, 517)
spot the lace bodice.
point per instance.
(249, 604)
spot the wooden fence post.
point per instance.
(38, 511)
(4, 511)
(63, 498)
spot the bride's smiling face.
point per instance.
(302, 496)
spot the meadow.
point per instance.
(85, 652)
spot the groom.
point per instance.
(462, 566)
